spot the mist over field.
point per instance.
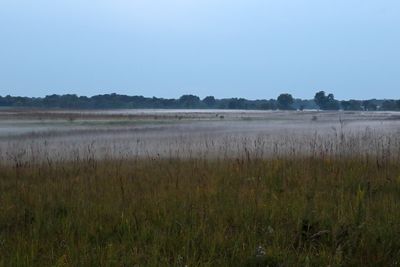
(65, 135)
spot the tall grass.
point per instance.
(198, 143)
(247, 210)
(144, 197)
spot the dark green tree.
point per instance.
(320, 99)
(189, 101)
(390, 105)
(237, 103)
(351, 105)
(209, 101)
(369, 105)
(285, 101)
(326, 102)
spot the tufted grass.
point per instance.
(196, 212)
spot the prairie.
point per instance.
(203, 188)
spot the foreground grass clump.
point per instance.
(174, 212)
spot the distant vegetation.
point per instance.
(285, 101)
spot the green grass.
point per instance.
(175, 212)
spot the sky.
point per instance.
(227, 48)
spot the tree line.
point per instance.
(322, 101)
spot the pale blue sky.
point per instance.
(226, 48)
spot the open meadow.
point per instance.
(199, 188)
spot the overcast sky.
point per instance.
(226, 48)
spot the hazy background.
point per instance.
(236, 48)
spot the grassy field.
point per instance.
(278, 189)
(199, 212)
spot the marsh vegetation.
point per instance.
(190, 189)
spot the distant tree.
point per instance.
(266, 106)
(326, 102)
(331, 103)
(7, 101)
(302, 104)
(369, 105)
(116, 101)
(69, 101)
(351, 105)
(345, 105)
(209, 101)
(189, 101)
(320, 99)
(237, 103)
(285, 101)
(390, 105)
